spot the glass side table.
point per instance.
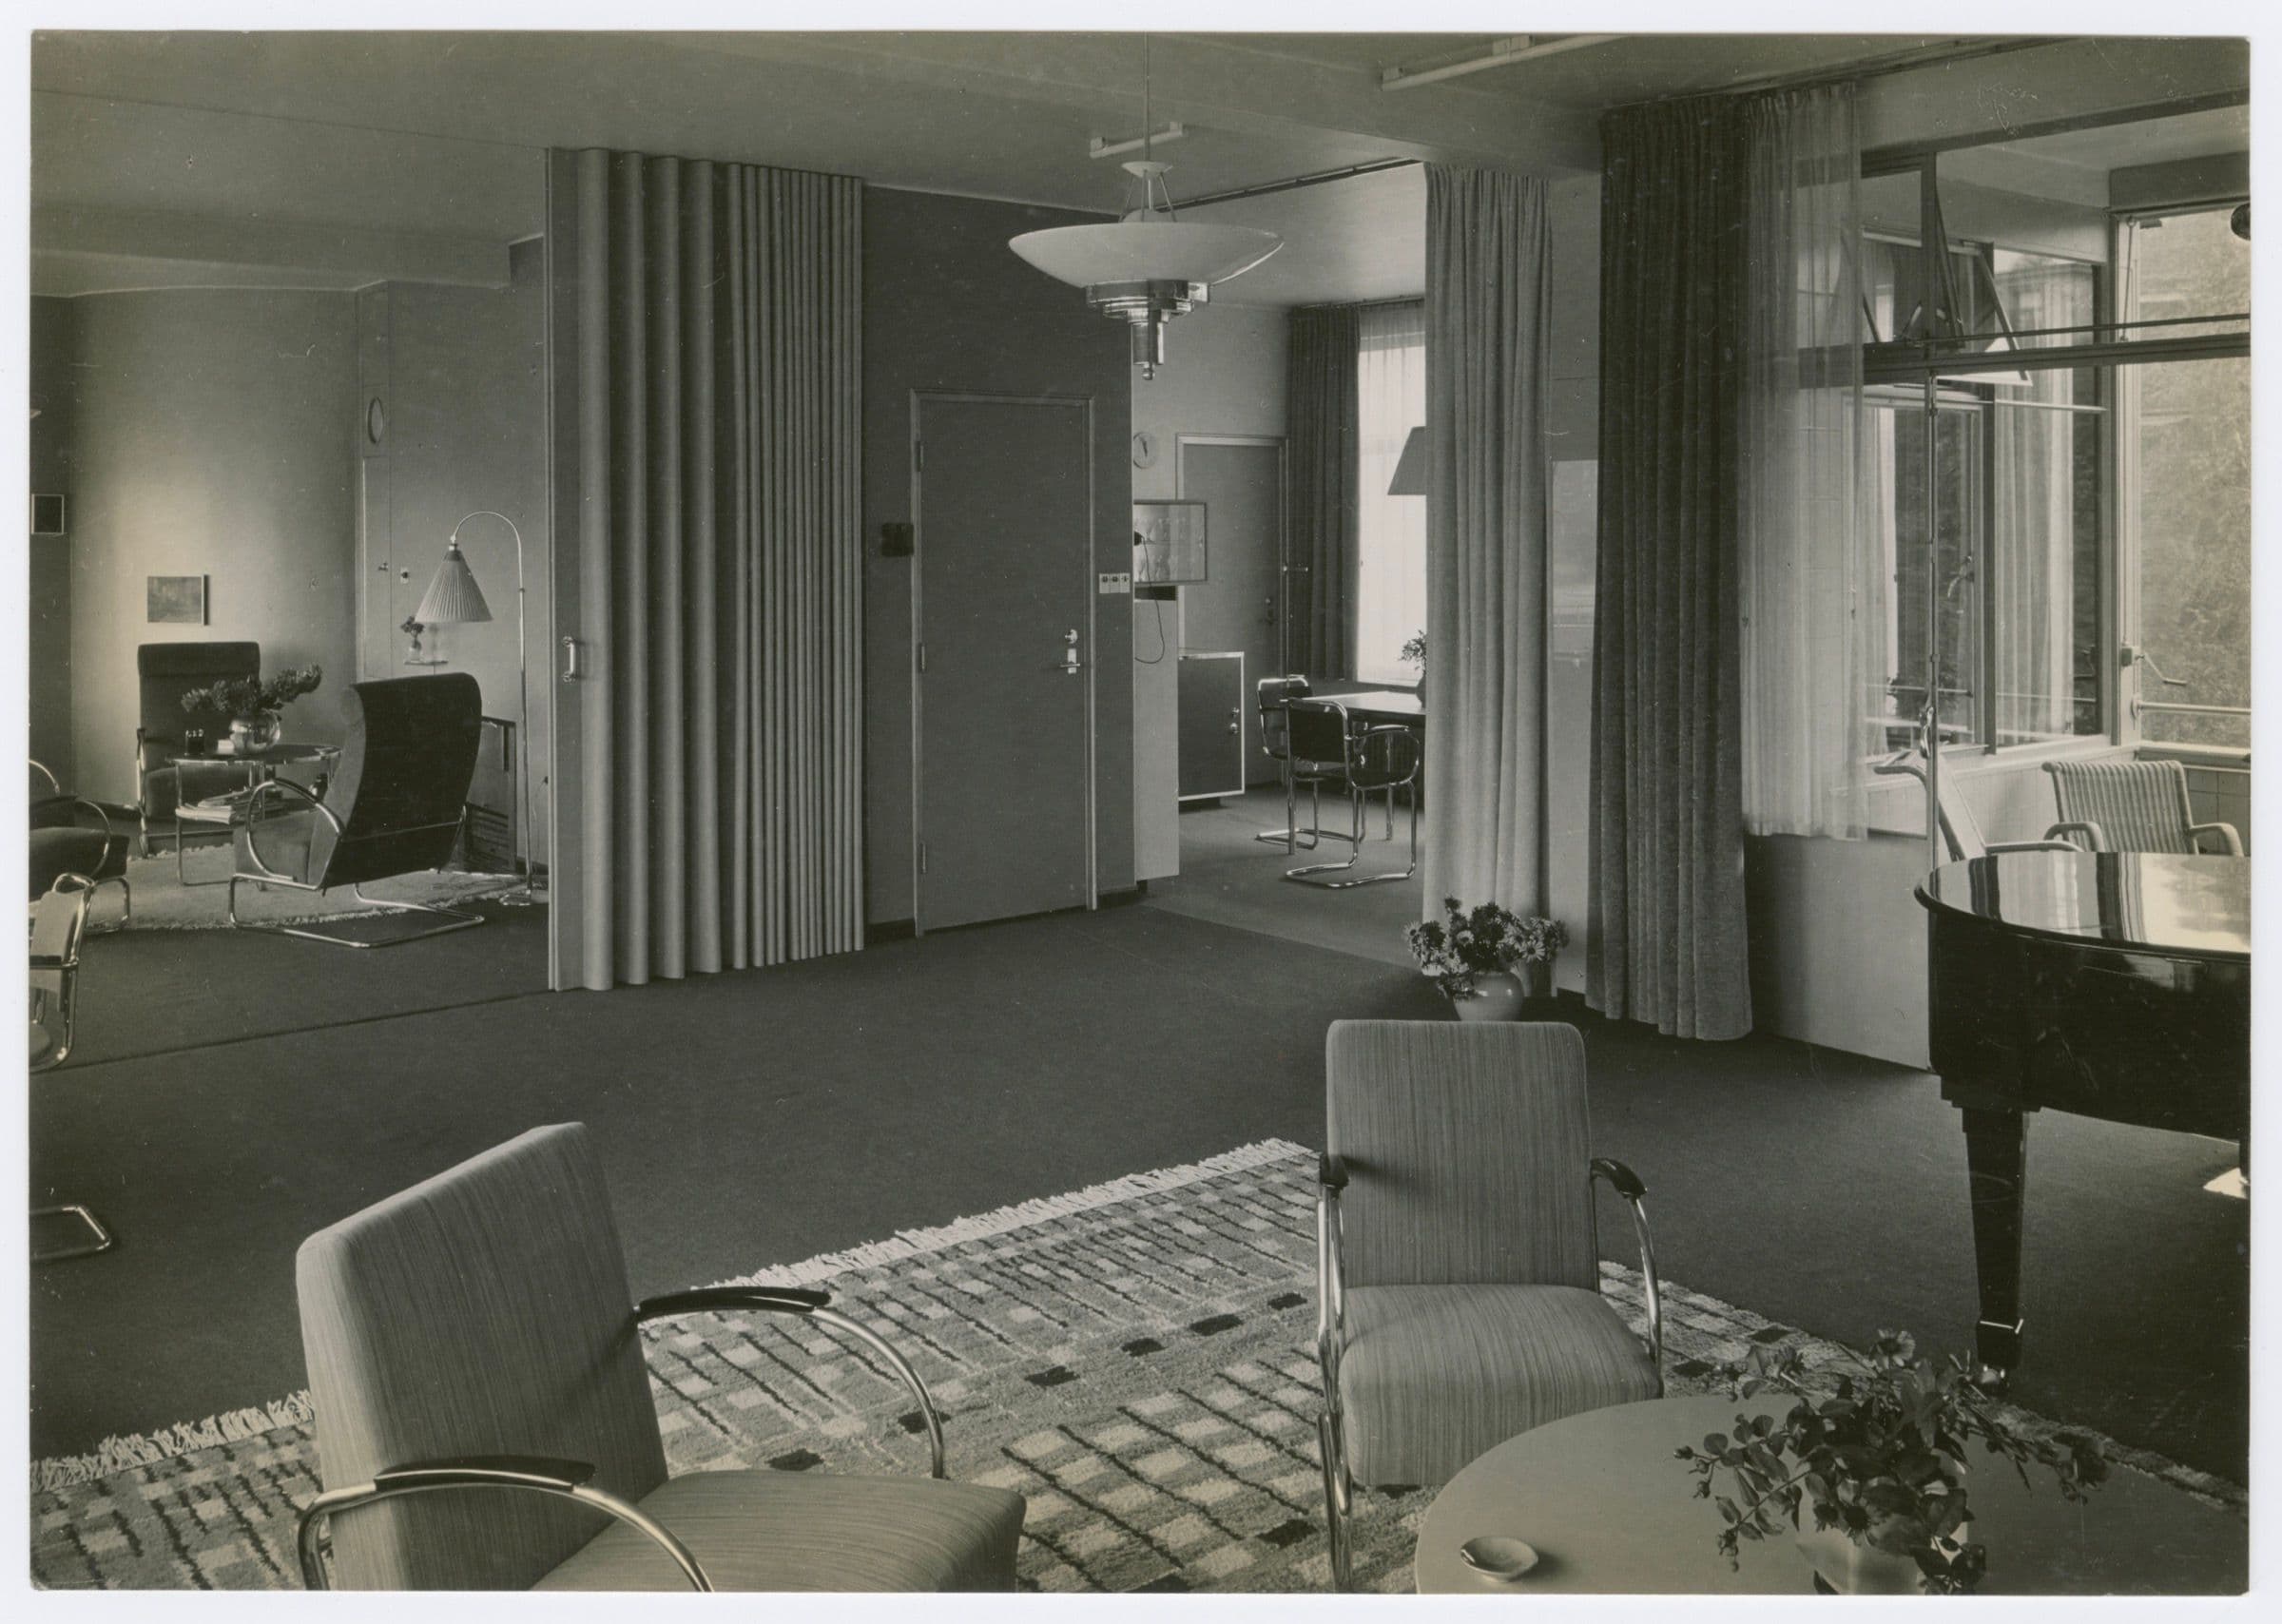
(211, 815)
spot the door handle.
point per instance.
(574, 665)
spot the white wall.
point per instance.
(210, 437)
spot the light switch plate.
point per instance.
(1120, 581)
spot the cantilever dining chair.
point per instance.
(1276, 698)
(1458, 1275)
(474, 1334)
(2136, 806)
(1331, 746)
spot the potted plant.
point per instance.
(1473, 955)
(1868, 1471)
(1414, 652)
(252, 705)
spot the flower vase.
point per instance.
(1846, 1567)
(252, 735)
(1496, 997)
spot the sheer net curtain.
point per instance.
(2033, 551)
(1812, 594)
(1390, 393)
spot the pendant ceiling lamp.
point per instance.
(1151, 266)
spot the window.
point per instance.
(2186, 488)
(2089, 510)
(1390, 578)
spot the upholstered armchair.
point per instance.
(393, 806)
(484, 1417)
(164, 672)
(2137, 806)
(1458, 1272)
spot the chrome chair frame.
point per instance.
(111, 838)
(573, 1480)
(1331, 1327)
(66, 964)
(1355, 754)
(1289, 837)
(249, 816)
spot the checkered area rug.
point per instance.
(1136, 1360)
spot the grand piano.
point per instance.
(2110, 984)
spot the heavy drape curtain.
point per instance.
(1390, 575)
(1488, 321)
(718, 308)
(1667, 938)
(1321, 446)
(1812, 586)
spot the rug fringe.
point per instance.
(147, 1449)
(984, 1225)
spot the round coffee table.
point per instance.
(1611, 1511)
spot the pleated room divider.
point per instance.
(705, 325)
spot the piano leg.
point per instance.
(1996, 1169)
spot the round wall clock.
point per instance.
(1145, 450)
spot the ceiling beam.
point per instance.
(267, 247)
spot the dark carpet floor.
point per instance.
(760, 1117)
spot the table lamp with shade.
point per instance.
(454, 598)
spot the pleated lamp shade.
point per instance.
(1410, 468)
(452, 598)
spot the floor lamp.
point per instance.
(454, 599)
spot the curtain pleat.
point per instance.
(1667, 937)
(1488, 331)
(720, 433)
(1320, 439)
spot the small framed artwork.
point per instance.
(176, 600)
(47, 515)
(1168, 542)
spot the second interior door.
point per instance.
(1239, 608)
(1004, 505)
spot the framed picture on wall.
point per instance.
(175, 600)
(1168, 542)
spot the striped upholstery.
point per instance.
(482, 1312)
(1473, 1305)
(1467, 1147)
(825, 1533)
(2140, 807)
(1434, 1375)
(486, 1312)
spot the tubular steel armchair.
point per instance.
(164, 672)
(1328, 747)
(394, 806)
(62, 844)
(475, 1333)
(59, 923)
(2136, 806)
(1960, 831)
(1457, 1273)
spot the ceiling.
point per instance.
(208, 157)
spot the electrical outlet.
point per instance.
(1117, 582)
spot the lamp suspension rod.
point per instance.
(1514, 47)
(1321, 177)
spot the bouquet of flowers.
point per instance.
(1485, 939)
(249, 697)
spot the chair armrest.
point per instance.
(2032, 846)
(810, 1306)
(1330, 1271)
(1627, 1184)
(566, 1479)
(55, 785)
(2226, 833)
(2095, 839)
(247, 816)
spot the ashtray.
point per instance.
(1496, 1557)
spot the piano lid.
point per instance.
(2188, 906)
